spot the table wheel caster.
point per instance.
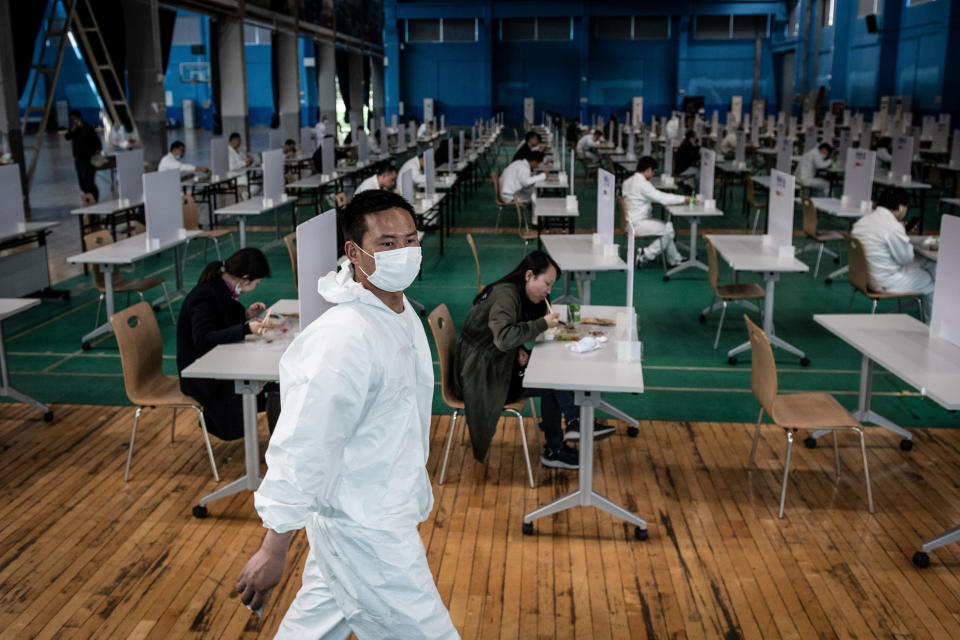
(48, 416)
(640, 534)
(906, 445)
(666, 278)
(921, 559)
(804, 361)
(810, 442)
(633, 432)
(828, 281)
(200, 511)
(732, 360)
(528, 528)
(85, 346)
(703, 319)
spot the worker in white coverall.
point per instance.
(587, 146)
(347, 459)
(639, 195)
(518, 180)
(808, 165)
(893, 266)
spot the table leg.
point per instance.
(566, 297)
(775, 341)
(5, 387)
(251, 445)
(586, 278)
(243, 232)
(585, 496)
(691, 262)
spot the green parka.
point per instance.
(485, 357)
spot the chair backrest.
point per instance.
(859, 274)
(95, 240)
(291, 241)
(521, 219)
(751, 195)
(476, 259)
(810, 221)
(141, 350)
(763, 368)
(87, 199)
(623, 211)
(713, 266)
(495, 177)
(445, 339)
(191, 216)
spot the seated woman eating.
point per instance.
(491, 358)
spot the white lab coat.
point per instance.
(370, 184)
(347, 462)
(237, 161)
(890, 258)
(807, 168)
(170, 162)
(639, 196)
(587, 148)
(413, 165)
(518, 181)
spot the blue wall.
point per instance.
(474, 80)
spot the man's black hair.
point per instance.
(387, 168)
(234, 135)
(892, 198)
(365, 203)
(75, 113)
(530, 136)
(646, 162)
(529, 154)
(691, 134)
(825, 145)
(289, 141)
(598, 132)
(177, 144)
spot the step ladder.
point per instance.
(80, 21)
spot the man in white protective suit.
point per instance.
(638, 196)
(347, 459)
(518, 180)
(893, 266)
(808, 165)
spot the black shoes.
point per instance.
(601, 430)
(562, 458)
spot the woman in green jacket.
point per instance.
(491, 358)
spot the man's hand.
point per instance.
(264, 569)
(552, 319)
(686, 199)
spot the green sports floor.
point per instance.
(684, 377)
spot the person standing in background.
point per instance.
(86, 144)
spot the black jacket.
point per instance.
(86, 144)
(210, 316)
(688, 155)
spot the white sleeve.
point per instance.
(324, 390)
(664, 198)
(898, 242)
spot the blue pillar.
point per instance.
(391, 50)
(486, 30)
(889, 42)
(583, 38)
(843, 25)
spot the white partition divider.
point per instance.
(945, 319)
(845, 137)
(130, 175)
(412, 131)
(755, 133)
(902, 158)
(866, 136)
(12, 218)
(529, 113)
(606, 187)
(620, 137)
(708, 161)
(809, 118)
(363, 147)
(926, 129)
(858, 178)
(792, 128)
(474, 140)
(307, 145)
(573, 169)
(328, 157)
(219, 164)
(462, 156)
(784, 154)
(451, 165)
(746, 121)
(429, 173)
(646, 142)
(443, 122)
(272, 176)
(780, 217)
(771, 125)
(740, 153)
(406, 185)
(637, 119)
(955, 150)
(781, 118)
(809, 138)
(163, 208)
(316, 257)
(714, 123)
(631, 146)
(274, 139)
(631, 252)
(393, 121)
(668, 158)
(563, 154)
(941, 136)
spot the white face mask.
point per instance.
(395, 270)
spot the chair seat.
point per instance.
(215, 233)
(741, 291)
(164, 392)
(648, 235)
(811, 411)
(121, 285)
(759, 204)
(827, 236)
(889, 295)
(528, 235)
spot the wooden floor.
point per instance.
(83, 555)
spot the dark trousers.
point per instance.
(86, 176)
(553, 406)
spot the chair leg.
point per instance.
(723, 314)
(206, 439)
(874, 309)
(96, 319)
(173, 424)
(816, 269)
(186, 250)
(446, 454)
(133, 436)
(866, 468)
(836, 454)
(526, 450)
(756, 439)
(786, 471)
(169, 303)
(707, 309)
(920, 310)
(216, 247)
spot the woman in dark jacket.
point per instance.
(212, 314)
(491, 358)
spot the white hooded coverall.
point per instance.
(413, 164)
(807, 172)
(518, 181)
(893, 266)
(347, 462)
(587, 148)
(639, 196)
(170, 162)
(237, 161)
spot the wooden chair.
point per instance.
(291, 241)
(793, 411)
(817, 239)
(445, 339)
(191, 222)
(524, 232)
(727, 293)
(859, 277)
(640, 236)
(102, 238)
(476, 259)
(753, 202)
(141, 354)
(500, 202)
